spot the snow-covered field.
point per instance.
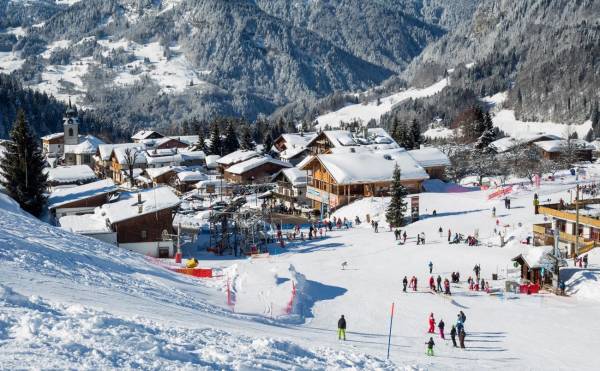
(80, 302)
(372, 110)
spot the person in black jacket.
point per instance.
(430, 345)
(453, 335)
(342, 328)
(461, 338)
(404, 283)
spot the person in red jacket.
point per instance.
(431, 324)
(431, 283)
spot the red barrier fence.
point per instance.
(529, 289)
(194, 272)
(290, 306)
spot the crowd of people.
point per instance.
(457, 330)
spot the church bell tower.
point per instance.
(71, 125)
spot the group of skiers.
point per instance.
(582, 261)
(375, 225)
(457, 330)
(412, 284)
(438, 288)
(400, 236)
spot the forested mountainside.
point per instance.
(142, 63)
(44, 112)
(546, 54)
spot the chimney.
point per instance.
(139, 198)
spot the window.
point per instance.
(87, 159)
(144, 235)
(70, 132)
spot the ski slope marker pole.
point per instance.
(390, 335)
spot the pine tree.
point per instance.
(405, 139)
(396, 210)
(246, 141)
(267, 142)
(22, 168)
(201, 145)
(415, 135)
(216, 144)
(231, 143)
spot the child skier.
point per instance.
(342, 328)
(430, 345)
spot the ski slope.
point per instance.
(372, 110)
(81, 302)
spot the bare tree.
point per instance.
(131, 156)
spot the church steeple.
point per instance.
(71, 125)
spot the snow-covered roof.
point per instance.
(187, 139)
(121, 152)
(84, 224)
(211, 161)
(191, 176)
(537, 257)
(127, 207)
(506, 143)
(70, 174)
(252, 163)
(65, 196)
(89, 145)
(560, 145)
(297, 139)
(291, 152)
(237, 156)
(144, 134)
(106, 149)
(295, 175)
(53, 136)
(192, 155)
(430, 157)
(155, 172)
(305, 161)
(371, 167)
(375, 138)
(170, 159)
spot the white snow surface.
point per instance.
(68, 195)
(371, 110)
(505, 120)
(78, 301)
(70, 174)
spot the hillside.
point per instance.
(545, 53)
(212, 57)
(83, 303)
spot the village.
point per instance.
(252, 225)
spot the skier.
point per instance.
(449, 234)
(430, 345)
(310, 232)
(494, 212)
(461, 338)
(441, 232)
(441, 328)
(430, 266)
(431, 324)
(415, 283)
(477, 269)
(431, 284)
(453, 335)
(423, 238)
(376, 227)
(585, 261)
(447, 287)
(342, 328)
(397, 234)
(439, 283)
(404, 237)
(404, 283)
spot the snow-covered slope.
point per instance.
(374, 110)
(83, 303)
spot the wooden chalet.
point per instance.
(254, 170)
(537, 265)
(80, 200)
(338, 179)
(554, 149)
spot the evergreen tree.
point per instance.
(267, 142)
(404, 137)
(246, 141)
(216, 144)
(201, 145)
(485, 139)
(394, 130)
(22, 168)
(230, 143)
(396, 210)
(415, 135)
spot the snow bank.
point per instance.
(506, 121)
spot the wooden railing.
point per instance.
(569, 215)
